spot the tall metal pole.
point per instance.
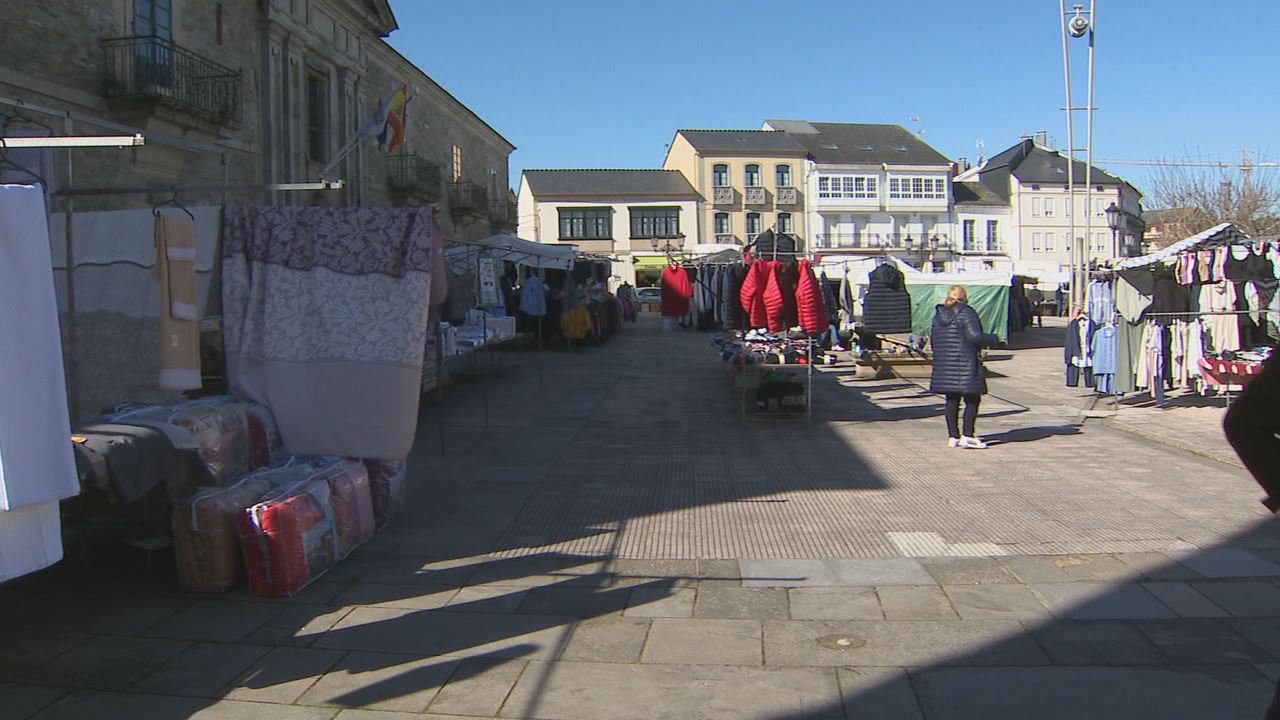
(1077, 23)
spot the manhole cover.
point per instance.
(840, 642)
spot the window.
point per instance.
(970, 234)
(217, 23)
(993, 235)
(1048, 207)
(782, 175)
(655, 222)
(1100, 242)
(586, 223)
(1035, 207)
(753, 223)
(153, 17)
(722, 224)
(1035, 242)
(720, 175)
(317, 116)
(784, 223)
(751, 176)
(1099, 207)
(457, 163)
(917, 188)
(1048, 242)
(859, 187)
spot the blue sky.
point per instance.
(606, 83)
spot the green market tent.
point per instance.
(988, 294)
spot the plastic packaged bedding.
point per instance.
(289, 538)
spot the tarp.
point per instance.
(1223, 234)
(512, 249)
(988, 295)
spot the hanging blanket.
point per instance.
(325, 322)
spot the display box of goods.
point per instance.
(288, 538)
(222, 430)
(352, 504)
(387, 488)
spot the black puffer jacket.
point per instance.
(887, 306)
(956, 338)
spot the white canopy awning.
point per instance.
(1224, 234)
(514, 249)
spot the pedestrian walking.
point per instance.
(957, 338)
(1036, 296)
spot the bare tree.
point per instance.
(1196, 197)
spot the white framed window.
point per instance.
(782, 175)
(1100, 242)
(970, 234)
(753, 224)
(751, 175)
(1099, 207)
(1048, 207)
(1036, 207)
(1048, 242)
(720, 175)
(993, 235)
(917, 188)
(785, 225)
(858, 187)
(1036, 241)
(722, 224)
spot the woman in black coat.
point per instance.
(956, 338)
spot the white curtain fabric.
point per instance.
(37, 466)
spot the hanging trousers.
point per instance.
(970, 414)
(1251, 425)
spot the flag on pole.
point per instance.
(392, 135)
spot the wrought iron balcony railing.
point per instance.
(152, 68)
(468, 197)
(411, 174)
(502, 215)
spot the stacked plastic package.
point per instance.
(282, 521)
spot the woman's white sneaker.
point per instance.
(953, 442)
(972, 443)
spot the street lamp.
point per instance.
(1115, 221)
(666, 246)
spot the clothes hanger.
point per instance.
(172, 202)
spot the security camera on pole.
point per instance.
(1078, 23)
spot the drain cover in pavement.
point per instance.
(840, 642)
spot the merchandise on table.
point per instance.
(222, 429)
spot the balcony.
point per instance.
(976, 246)
(755, 196)
(726, 239)
(413, 180)
(153, 71)
(724, 195)
(502, 217)
(787, 196)
(467, 199)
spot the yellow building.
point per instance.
(747, 181)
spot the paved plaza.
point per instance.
(600, 533)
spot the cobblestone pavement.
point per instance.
(601, 532)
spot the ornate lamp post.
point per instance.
(1115, 221)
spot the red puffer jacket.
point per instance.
(810, 306)
(775, 301)
(752, 294)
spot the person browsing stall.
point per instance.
(957, 338)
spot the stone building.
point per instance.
(246, 93)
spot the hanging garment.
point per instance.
(175, 270)
(752, 294)
(774, 302)
(1104, 352)
(1076, 351)
(1133, 293)
(1244, 265)
(887, 306)
(676, 291)
(811, 306)
(533, 297)
(325, 322)
(37, 467)
(789, 282)
(846, 301)
(1102, 308)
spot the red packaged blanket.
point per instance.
(352, 504)
(288, 538)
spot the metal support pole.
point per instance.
(73, 361)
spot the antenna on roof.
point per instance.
(916, 119)
(982, 157)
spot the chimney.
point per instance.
(1042, 138)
